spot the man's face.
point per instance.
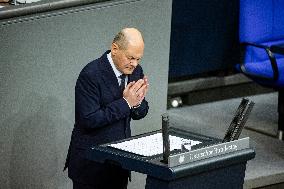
(126, 60)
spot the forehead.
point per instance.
(134, 51)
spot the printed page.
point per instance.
(153, 144)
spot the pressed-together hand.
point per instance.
(135, 92)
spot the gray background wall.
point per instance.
(41, 56)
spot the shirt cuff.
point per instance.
(136, 106)
(127, 103)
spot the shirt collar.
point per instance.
(116, 71)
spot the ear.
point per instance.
(114, 48)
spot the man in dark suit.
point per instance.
(109, 92)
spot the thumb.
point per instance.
(129, 85)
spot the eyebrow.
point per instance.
(132, 57)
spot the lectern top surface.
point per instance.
(153, 144)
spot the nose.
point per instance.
(134, 63)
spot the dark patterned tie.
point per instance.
(122, 82)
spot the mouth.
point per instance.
(130, 68)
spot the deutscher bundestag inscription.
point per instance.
(208, 152)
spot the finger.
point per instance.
(145, 78)
(146, 89)
(146, 83)
(137, 85)
(141, 96)
(129, 85)
(141, 99)
(141, 90)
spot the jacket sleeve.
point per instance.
(141, 111)
(89, 112)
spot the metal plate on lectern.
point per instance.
(207, 152)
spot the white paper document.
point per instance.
(152, 144)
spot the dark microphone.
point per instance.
(165, 135)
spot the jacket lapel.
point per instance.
(108, 75)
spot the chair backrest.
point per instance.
(261, 21)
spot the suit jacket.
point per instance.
(101, 116)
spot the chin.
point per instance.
(128, 72)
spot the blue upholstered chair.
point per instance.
(262, 39)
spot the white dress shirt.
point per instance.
(117, 74)
(116, 71)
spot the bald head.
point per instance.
(128, 36)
